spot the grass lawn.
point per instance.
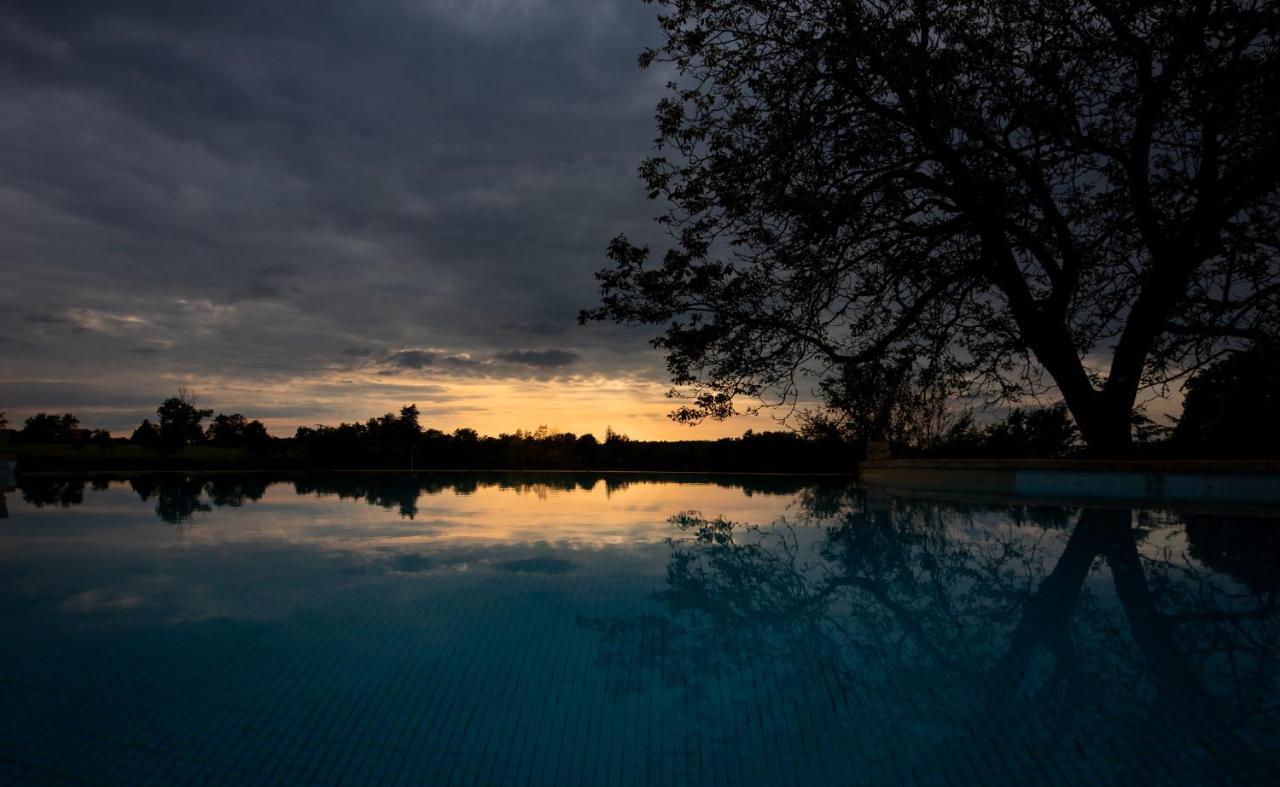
(91, 457)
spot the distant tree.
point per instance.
(394, 433)
(890, 399)
(236, 431)
(1232, 408)
(4, 422)
(256, 438)
(586, 450)
(180, 421)
(1042, 433)
(101, 438)
(227, 430)
(49, 428)
(146, 435)
(1006, 189)
(961, 439)
(1147, 433)
(409, 419)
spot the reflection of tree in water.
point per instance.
(400, 491)
(1247, 549)
(235, 491)
(177, 496)
(983, 628)
(41, 491)
(386, 490)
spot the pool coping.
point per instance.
(1144, 482)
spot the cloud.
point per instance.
(411, 359)
(536, 565)
(545, 359)
(47, 318)
(262, 196)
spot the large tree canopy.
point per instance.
(976, 191)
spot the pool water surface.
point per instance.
(625, 629)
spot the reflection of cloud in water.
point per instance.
(102, 599)
(409, 563)
(536, 565)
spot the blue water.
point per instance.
(574, 629)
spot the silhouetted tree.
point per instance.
(146, 435)
(887, 399)
(1042, 433)
(101, 438)
(394, 433)
(256, 439)
(226, 430)
(180, 421)
(1232, 408)
(48, 428)
(993, 190)
(236, 431)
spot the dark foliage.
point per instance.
(1232, 408)
(236, 431)
(49, 429)
(1024, 433)
(146, 435)
(1046, 432)
(179, 422)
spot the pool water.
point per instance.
(625, 629)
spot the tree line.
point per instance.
(1231, 409)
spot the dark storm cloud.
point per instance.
(31, 395)
(46, 318)
(248, 186)
(412, 359)
(539, 358)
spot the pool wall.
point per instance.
(1185, 481)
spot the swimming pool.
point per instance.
(625, 629)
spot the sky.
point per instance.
(311, 211)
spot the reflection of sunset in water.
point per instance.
(666, 629)
(564, 509)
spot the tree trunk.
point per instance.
(1107, 430)
(1105, 422)
(1104, 417)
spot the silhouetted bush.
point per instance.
(1232, 408)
